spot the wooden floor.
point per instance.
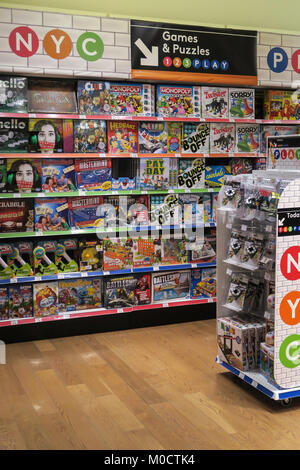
(152, 388)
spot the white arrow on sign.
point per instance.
(280, 222)
(151, 57)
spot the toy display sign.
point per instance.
(283, 152)
(192, 54)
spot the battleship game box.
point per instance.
(171, 285)
(13, 94)
(13, 135)
(93, 97)
(127, 290)
(178, 101)
(132, 99)
(153, 137)
(90, 136)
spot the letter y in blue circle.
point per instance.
(277, 59)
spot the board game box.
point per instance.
(242, 103)
(153, 137)
(6, 253)
(134, 99)
(23, 175)
(203, 249)
(51, 214)
(44, 258)
(117, 254)
(79, 294)
(247, 138)
(124, 173)
(16, 215)
(93, 97)
(20, 301)
(90, 136)
(13, 135)
(58, 175)
(281, 105)
(46, 135)
(173, 250)
(127, 291)
(49, 96)
(84, 212)
(171, 285)
(13, 94)
(203, 283)
(215, 174)
(90, 254)
(146, 252)
(274, 130)
(154, 173)
(191, 173)
(165, 210)
(4, 303)
(178, 101)
(93, 175)
(21, 258)
(174, 137)
(45, 299)
(222, 137)
(122, 137)
(66, 255)
(214, 102)
(192, 209)
(195, 137)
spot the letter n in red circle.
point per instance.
(23, 41)
(290, 263)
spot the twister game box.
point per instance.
(222, 137)
(214, 102)
(178, 101)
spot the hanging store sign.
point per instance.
(183, 53)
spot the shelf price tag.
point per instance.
(120, 310)
(84, 274)
(60, 276)
(14, 322)
(17, 195)
(82, 116)
(38, 320)
(14, 280)
(66, 316)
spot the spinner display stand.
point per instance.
(258, 233)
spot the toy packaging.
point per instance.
(21, 259)
(134, 99)
(93, 175)
(23, 175)
(117, 254)
(122, 137)
(214, 175)
(203, 283)
(127, 291)
(124, 173)
(232, 338)
(178, 101)
(137, 209)
(93, 97)
(195, 137)
(152, 137)
(241, 166)
(171, 285)
(203, 250)
(242, 103)
(222, 137)
(191, 173)
(49, 96)
(214, 102)
(16, 215)
(66, 255)
(192, 208)
(154, 173)
(90, 136)
(44, 258)
(252, 250)
(174, 137)
(279, 105)
(165, 210)
(51, 214)
(90, 254)
(237, 291)
(146, 252)
(84, 212)
(247, 138)
(45, 299)
(6, 270)
(274, 130)
(4, 303)
(236, 247)
(58, 175)
(46, 136)
(13, 135)
(79, 294)
(267, 362)
(20, 301)
(173, 251)
(13, 94)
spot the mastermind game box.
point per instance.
(93, 174)
(13, 94)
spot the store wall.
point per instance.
(267, 15)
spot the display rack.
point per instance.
(275, 372)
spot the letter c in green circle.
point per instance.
(90, 46)
(289, 352)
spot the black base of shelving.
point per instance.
(105, 323)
